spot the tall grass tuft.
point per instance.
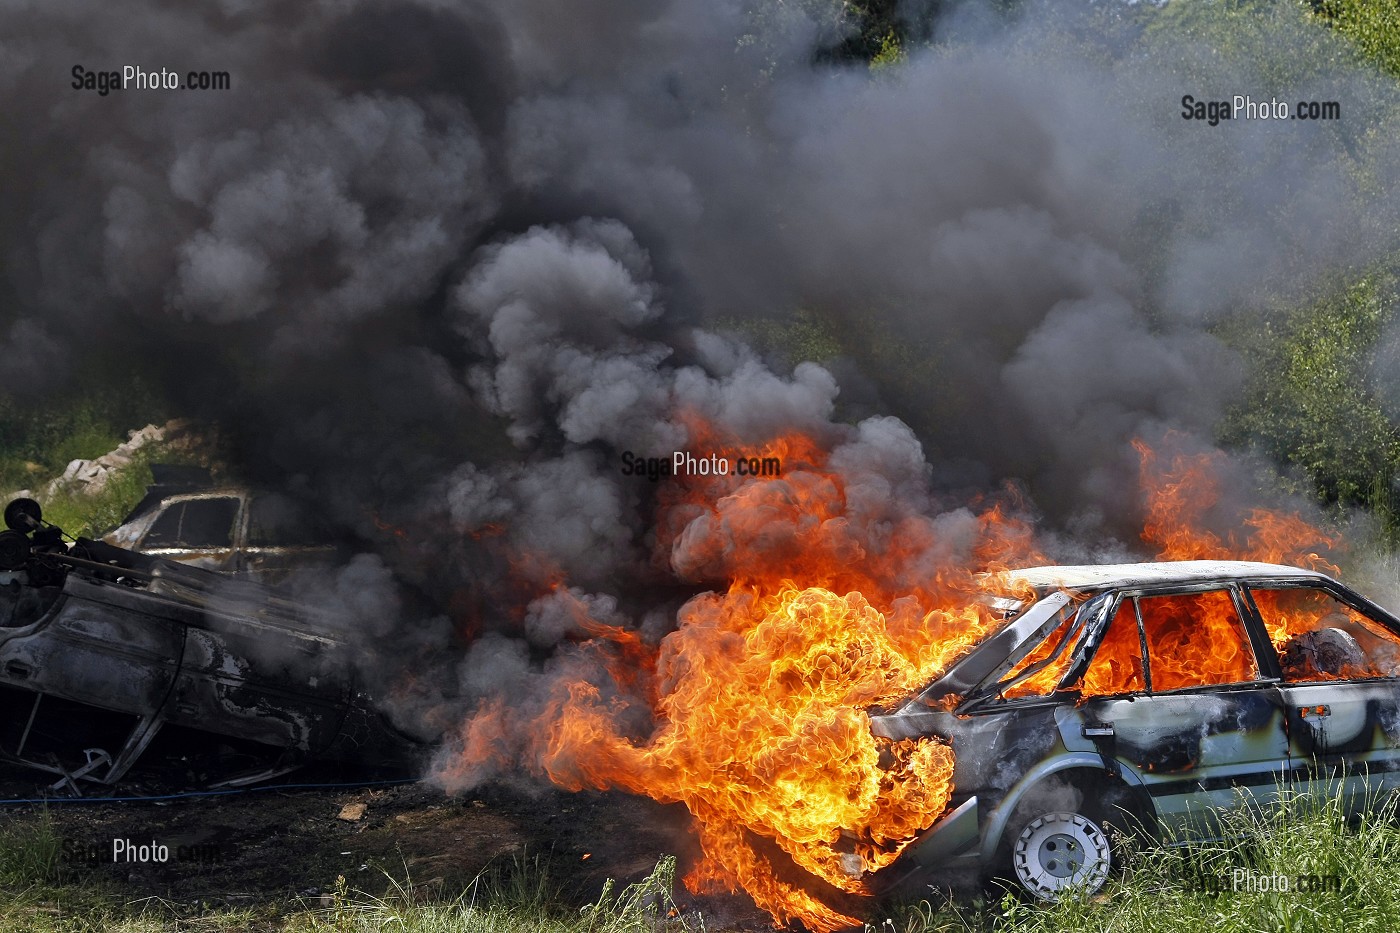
(521, 897)
(1298, 865)
(31, 853)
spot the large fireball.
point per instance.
(830, 601)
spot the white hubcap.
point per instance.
(1057, 851)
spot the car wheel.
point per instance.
(1057, 852)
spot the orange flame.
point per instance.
(828, 601)
(763, 731)
(759, 696)
(1180, 496)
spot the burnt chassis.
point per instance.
(1165, 764)
(102, 650)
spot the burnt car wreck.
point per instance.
(186, 517)
(106, 653)
(1149, 697)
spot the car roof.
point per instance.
(1106, 576)
(211, 492)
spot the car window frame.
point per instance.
(1098, 608)
(317, 535)
(994, 686)
(237, 531)
(230, 503)
(174, 510)
(1088, 652)
(970, 675)
(1344, 595)
(1265, 659)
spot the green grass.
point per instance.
(39, 437)
(1162, 889)
(518, 898)
(1195, 888)
(30, 853)
(40, 893)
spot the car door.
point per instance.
(1339, 689)
(283, 537)
(257, 668)
(1174, 692)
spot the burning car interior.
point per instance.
(1192, 716)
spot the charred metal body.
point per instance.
(103, 649)
(1053, 743)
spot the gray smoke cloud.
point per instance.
(436, 266)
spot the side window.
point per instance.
(1195, 639)
(278, 521)
(208, 522)
(195, 523)
(165, 530)
(1117, 666)
(1318, 637)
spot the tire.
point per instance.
(1058, 852)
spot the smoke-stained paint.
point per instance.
(1170, 761)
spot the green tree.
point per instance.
(1311, 398)
(1372, 25)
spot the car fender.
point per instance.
(998, 818)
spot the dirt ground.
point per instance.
(282, 844)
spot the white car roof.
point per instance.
(1101, 576)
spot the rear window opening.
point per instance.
(51, 730)
(1320, 638)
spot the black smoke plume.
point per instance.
(436, 266)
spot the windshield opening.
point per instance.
(1042, 668)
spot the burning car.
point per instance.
(106, 652)
(1151, 695)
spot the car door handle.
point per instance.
(1315, 712)
(18, 670)
(1097, 730)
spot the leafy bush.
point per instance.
(81, 514)
(1311, 400)
(39, 437)
(1373, 25)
